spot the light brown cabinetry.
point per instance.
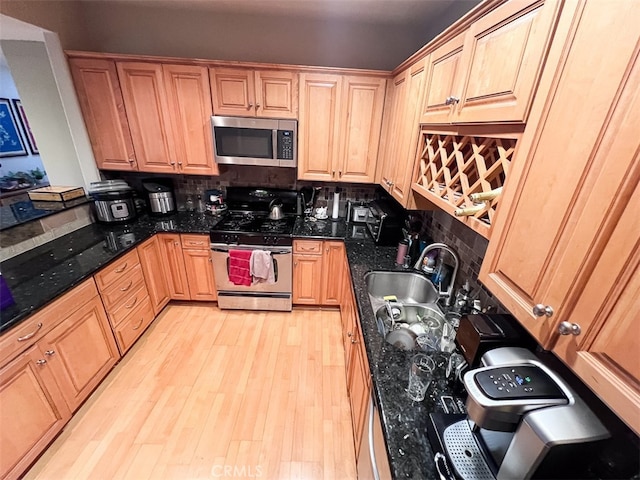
(254, 93)
(173, 265)
(151, 261)
(317, 272)
(125, 297)
(489, 73)
(102, 105)
(401, 139)
(578, 217)
(197, 260)
(48, 368)
(339, 128)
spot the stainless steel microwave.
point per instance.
(255, 141)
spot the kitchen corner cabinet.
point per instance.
(197, 259)
(489, 73)
(247, 92)
(102, 105)
(574, 199)
(151, 261)
(399, 157)
(315, 260)
(339, 127)
(58, 357)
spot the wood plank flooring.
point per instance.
(212, 394)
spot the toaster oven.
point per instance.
(384, 222)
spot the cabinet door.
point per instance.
(574, 172)
(190, 110)
(173, 266)
(363, 101)
(307, 270)
(200, 274)
(502, 58)
(148, 113)
(33, 411)
(276, 94)
(232, 91)
(444, 69)
(332, 268)
(80, 352)
(102, 105)
(151, 261)
(408, 132)
(393, 114)
(359, 391)
(318, 128)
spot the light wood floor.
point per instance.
(212, 394)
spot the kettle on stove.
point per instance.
(275, 209)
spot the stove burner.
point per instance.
(253, 228)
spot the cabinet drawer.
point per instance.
(34, 328)
(117, 270)
(135, 324)
(199, 242)
(307, 247)
(128, 304)
(121, 289)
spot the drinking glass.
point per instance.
(420, 375)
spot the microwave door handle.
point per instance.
(274, 141)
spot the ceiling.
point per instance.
(371, 11)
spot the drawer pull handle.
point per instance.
(124, 289)
(131, 305)
(139, 324)
(196, 243)
(29, 335)
(120, 270)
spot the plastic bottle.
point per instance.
(336, 205)
(403, 246)
(200, 208)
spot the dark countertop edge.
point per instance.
(44, 213)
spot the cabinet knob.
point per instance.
(257, 105)
(540, 310)
(180, 163)
(250, 106)
(339, 173)
(349, 334)
(353, 340)
(50, 352)
(451, 100)
(333, 173)
(41, 361)
(131, 161)
(568, 328)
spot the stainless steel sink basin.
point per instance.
(408, 287)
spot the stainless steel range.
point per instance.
(252, 253)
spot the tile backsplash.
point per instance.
(470, 247)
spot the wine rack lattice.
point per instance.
(452, 167)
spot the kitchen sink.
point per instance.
(408, 287)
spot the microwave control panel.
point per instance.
(285, 145)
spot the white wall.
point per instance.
(15, 164)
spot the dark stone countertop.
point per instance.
(46, 272)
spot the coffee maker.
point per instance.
(523, 421)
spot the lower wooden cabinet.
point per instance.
(173, 265)
(52, 375)
(197, 261)
(317, 272)
(151, 260)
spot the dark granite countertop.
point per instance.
(44, 273)
(21, 211)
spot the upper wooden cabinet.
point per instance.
(102, 105)
(572, 203)
(490, 72)
(339, 128)
(254, 93)
(399, 157)
(189, 101)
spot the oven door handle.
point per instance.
(226, 250)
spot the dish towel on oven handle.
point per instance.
(240, 267)
(262, 267)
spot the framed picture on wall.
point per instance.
(11, 143)
(26, 128)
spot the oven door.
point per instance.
(259, 296)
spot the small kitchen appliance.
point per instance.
(384, 222)
(255, 141)
(113, 201)
(523, 421)
(160, 195)
(214, 202)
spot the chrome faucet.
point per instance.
(448, 294)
